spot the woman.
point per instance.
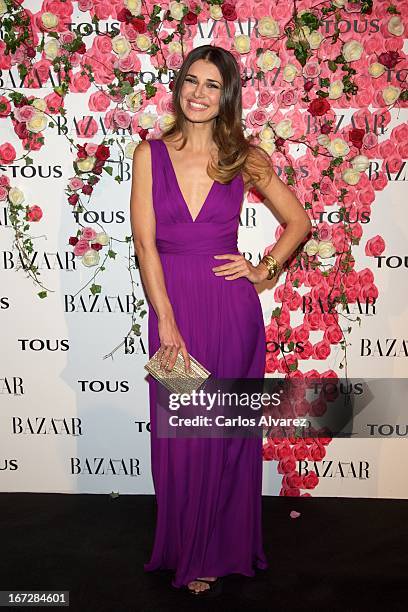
(202, 301)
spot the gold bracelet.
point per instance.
(273, 266)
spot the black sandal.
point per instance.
(213, 590)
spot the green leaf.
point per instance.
(111, 254)
(95, 289)
(42, 294)
(108, 169)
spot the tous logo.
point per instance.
(36, 344)
(8, 464)
(392, 261)
(96, 386)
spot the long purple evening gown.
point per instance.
(208, 490)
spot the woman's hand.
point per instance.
(241, 267)
(171, 343)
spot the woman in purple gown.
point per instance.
(202, 300)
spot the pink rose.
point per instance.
(81, 247)
(91, 148)
(34, 213)
(88, 233)
(325, 231)
(316, 452)
(258, 116)
(24, 113)
(87, 127)
(311, 70)
(370, 140)
(375, 246)
(99, 101)
(75, 183)
(174, 61)
(321, 349)
(265, 97)
(67, 37)
(333, 334)
(3, 194)
(121, 118)
(7, 153)
(300, 451)
(288, 97)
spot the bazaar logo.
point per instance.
(384, 347)
(44, 261)
(104, 466)
(336, 469)
(71, 426)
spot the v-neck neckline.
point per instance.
(179, 189)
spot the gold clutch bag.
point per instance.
(178, 380)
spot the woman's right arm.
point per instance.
(143, 223)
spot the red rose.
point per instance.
(20, 129)
(190, 18)
(87, 189)
(228, 12)
(96, 246)
(81, 49)
(81, 152)
(389, 59)
(356, 136)
(73, 240)
(310, 480)
(139, 25)
(124, 15)
(73, 199)
(102, 153)
(318, 107)
(34, 213)
(308, 85)
(326, 128)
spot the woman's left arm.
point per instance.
(287, 209)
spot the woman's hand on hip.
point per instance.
(171, 342)
(240, 267)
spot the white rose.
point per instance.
(175, 47)
(130, 149)
(166, 120)
(177, 10)
(51, 48)
(268, 61)
(49, 20)
(336, 90)
(242, 43)
(37, 123)
(315, 39)
(134, 101)
(267, 26)
(352, 50)
(311, 247)
(395, 26)
(147, 120)
(143, 42)
(266, 133)
(284, 128)
(102, 237)
(376, 69)
(350, 176)
(39, 104)
(16, 196)
(121, 46)
(323, 140)
(338, 147)
(268, 146)
(3, 8)
(215, 12)
(304, 32)
(86, 165)
(391, 94)
(360, 163)
(134, 6)
(326, 249)
(90, 258)
(339, 3)
(290, 72)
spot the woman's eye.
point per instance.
(191, 80)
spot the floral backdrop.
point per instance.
(323, 82)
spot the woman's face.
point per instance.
(201, 92)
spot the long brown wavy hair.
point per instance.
(235, 151)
